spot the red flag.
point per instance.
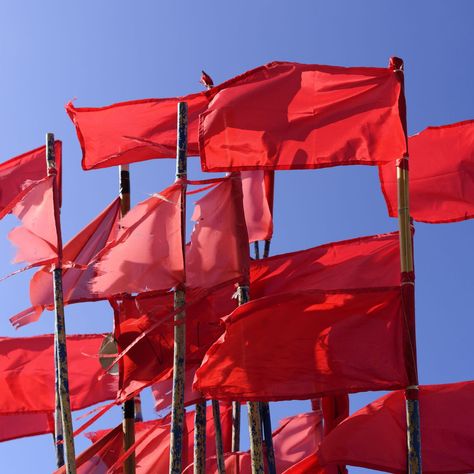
(311, 465)
(80, 250)
(27, 373)
(257, 188)
(299, 116)
(375, 436)
(441, 175)
(364, 262)
(335, 410)
(318, 344)
(21, 425)
(17, 174)
(147, 253)
(219, 249)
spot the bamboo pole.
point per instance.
(177, 408)
(414, 464)
(60, 350)
(216, 413)
(128, 408)
(200, 438)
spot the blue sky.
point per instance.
(104, 51)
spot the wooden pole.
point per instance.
(60, 349)
(200, 438)
(128, 408)
(58, 437)
(216, 413)
(235, 426)
(177, 408)
(414, 465)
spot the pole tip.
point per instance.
(396, 63)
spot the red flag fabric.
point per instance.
(27, 373)
(80, 250)
(311, 465)
(299, 116)
(21, 425)
(17, 174)
(147, 253)
(375, 436)
(219, 250)
(441, 175)
(333, 343)
(364, 262)
(36, 238)
(257, 189)
(335, 410)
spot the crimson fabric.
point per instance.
(20, 425)
(81, 250)
(147, 253)
(311, 465)
(441, 175)
(219, 249)
(375, 436)
(151, 359)
(299, 116)
(349, 264)
(258, 203)
(235, 463)
(335, 410)
(18, 173)
(36, 238)
(27, 373)
(320, 344)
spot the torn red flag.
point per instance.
(441, 175)
(219, 250)
(375, 436)
(300, 116)
(80, 250)
(27, 373)
(147, 252)
(21, 425)
(17, 174)
(322, 343)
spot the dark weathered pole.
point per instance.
(60, 349)
(177, 408)
(200, 438)
(216, 413)
(414, 465)
(58, 425)
(128, 408)
(235, 426)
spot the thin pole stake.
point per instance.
(216, 412)
(60, 325)
(200, 438)
(235, 427)
(58, 426)
(177, 408)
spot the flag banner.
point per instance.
(304, 116)
(36, 238)
(21, 425)
(257, 189)
(375, 436)
(441, 175)
(147, 252)
(335, 410)
(312, 465)
(365, 262)
(319, 343)
(17, 174)
(27, 373)
(78, 253)
(219, 250)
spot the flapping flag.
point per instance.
(27, 373)
(80, 250)
(17, 174)
(147, 253)
(300, 116)
(441, 175)
(21, 425)
(375, 436)
(219, 250)
(320, 343)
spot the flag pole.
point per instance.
(235, 427)
(128, 408)
(58, 437)
(216, 412)
(200, 438)
(177, 408)
(60, 349)
(414, 465)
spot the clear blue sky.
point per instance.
(104, 51)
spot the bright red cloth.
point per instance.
(299, 116)
(18, 173)
(364, 262)
(147, 253)
(375, 436)
(27, 373)
(441, 175)
(311, 465)
(335, 410)
(81, 249)
(20, 425)
(219, 250)
(318, 344)
(257, 189)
